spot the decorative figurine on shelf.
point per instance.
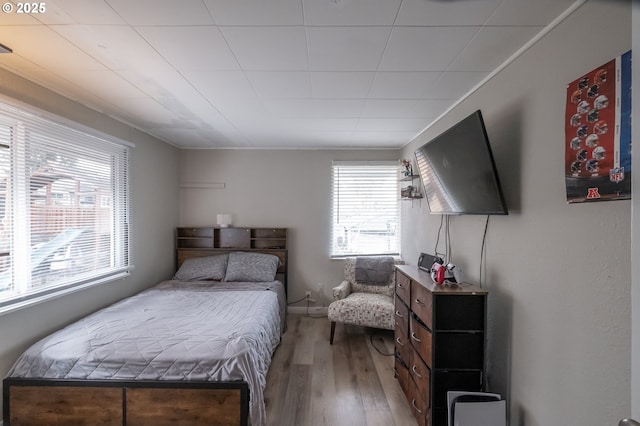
(408, 169)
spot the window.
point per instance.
(64, 208)
(365, 209)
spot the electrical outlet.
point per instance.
(307, 296)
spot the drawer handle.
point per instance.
(415, 371)
(413, 402)
(414, 337)
(419, 302)
(399, 342)
(398, 314)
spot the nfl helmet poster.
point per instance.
(598, 133)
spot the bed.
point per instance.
(192, 350)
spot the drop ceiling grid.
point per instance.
(327, 72)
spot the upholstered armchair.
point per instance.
(361, 304)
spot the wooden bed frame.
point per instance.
(118, 402)
(134, 402)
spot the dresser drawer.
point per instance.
(403, 348)
(401, 333)
(420, 338)
(403, 287)
(422, 303)
(421, 375)
(401, 317)
(402, 374)
(419, 405)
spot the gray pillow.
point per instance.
(251, 267)
(203, 268)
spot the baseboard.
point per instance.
(315, 311)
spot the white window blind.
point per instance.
(365, 210)
(64, 208)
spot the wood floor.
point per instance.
(348, 383)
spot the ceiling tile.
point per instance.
(193, 138)
(88, 12)
(346, 48)
(215, 85)
(319, 124)
(145, 113)
(425, 48)
(527, 12)
(256, 12)
(46, 77)
(351, 85)
(315, 108)
(162, 12)
(14, 18)
(280, 84)
(454, 84)
(350, 12)
(491, 47)
(381, 139)
(200, 48)
(446, 13)
(404, 85)
(242, 109)
(177, 95)
(45, 47)
(403, 108)
(268, 48)
(162, 84)
(117, 47)
(24, 67)
(310, 140)
(112, 87)
(410, 125)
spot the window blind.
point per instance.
(64, 207)
(365, 210)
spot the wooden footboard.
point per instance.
(116, 402)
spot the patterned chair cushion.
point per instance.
(365, 309)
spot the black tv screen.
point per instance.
(458, 172)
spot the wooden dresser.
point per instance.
(440, 335)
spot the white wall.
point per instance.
(558, 274)
(154, 190)
(279, 188)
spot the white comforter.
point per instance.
(174, 331)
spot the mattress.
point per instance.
(204, 331)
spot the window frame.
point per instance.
(390, 188)
(18, 115)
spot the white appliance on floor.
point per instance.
(476, 409)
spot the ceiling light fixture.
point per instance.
(5, 49)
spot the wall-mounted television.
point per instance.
(458, 173)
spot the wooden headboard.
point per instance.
(204, 241)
